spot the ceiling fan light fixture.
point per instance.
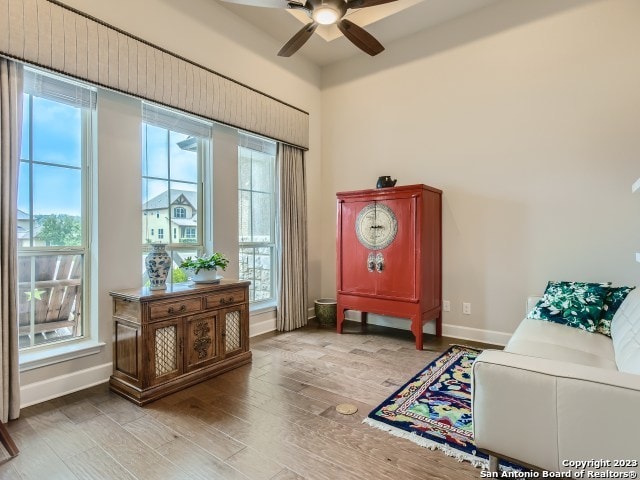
(326, 15)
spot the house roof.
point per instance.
(22, 215)
(185, 222)
(160, 201)
(25, 233)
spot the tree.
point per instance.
(61, 230)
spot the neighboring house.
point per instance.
(170, 220)
(24, 231)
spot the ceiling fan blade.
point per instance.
(360, 37)
(366, 3)
(264, 3)
(299, 39)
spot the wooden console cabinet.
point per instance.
(389, 255)
(166, 340)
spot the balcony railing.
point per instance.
(50, 298)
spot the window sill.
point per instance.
(262, 308)
(60, 353)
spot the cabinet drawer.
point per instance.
(180, 307)
(126, 309)
(223, 299)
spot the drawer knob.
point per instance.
(225, 301)
(182, 308)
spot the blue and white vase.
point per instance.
(158, 263)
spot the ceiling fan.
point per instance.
(324, 12)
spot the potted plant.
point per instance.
(205, 268)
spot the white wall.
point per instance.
(531, 129)
(205, 32)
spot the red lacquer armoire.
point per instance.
(390, 255)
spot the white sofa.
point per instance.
(557, 394)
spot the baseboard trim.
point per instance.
(265, 322)
(262, 321)
(264, 326)
(475, 334)
(44, 390)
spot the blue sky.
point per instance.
(184, 164)
(56, 140)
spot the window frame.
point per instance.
(88, 139)
(173, 245)
(273, 244)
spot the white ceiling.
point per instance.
(387, 23)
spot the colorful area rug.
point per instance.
(433, 409)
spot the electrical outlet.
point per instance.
(466, 308)
(446, 305)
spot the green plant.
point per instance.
(213, 262)
(178, 276)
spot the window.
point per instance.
(190, 232)
(256, 215)
(53, 200)
(174, 147)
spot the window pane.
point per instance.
(50, 300)
(244, 216)
(155, 198)
(155, 156)
(183, 151)
(262, 172)
(57, 206)
(244, 169)
(56, 190)
(57, 133)
(255, 265)
(176, 275)
(184, 196)
(261, 217)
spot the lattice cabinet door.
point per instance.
(202, 346)
(234, 330)
(165, 346)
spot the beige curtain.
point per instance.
(292, 236)
(10, 122)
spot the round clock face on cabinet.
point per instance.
(376, 226)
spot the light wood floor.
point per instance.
(274, 419)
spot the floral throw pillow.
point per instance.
(575, 304)
(612, 302)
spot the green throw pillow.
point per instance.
(612, 302)
(575, 304)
